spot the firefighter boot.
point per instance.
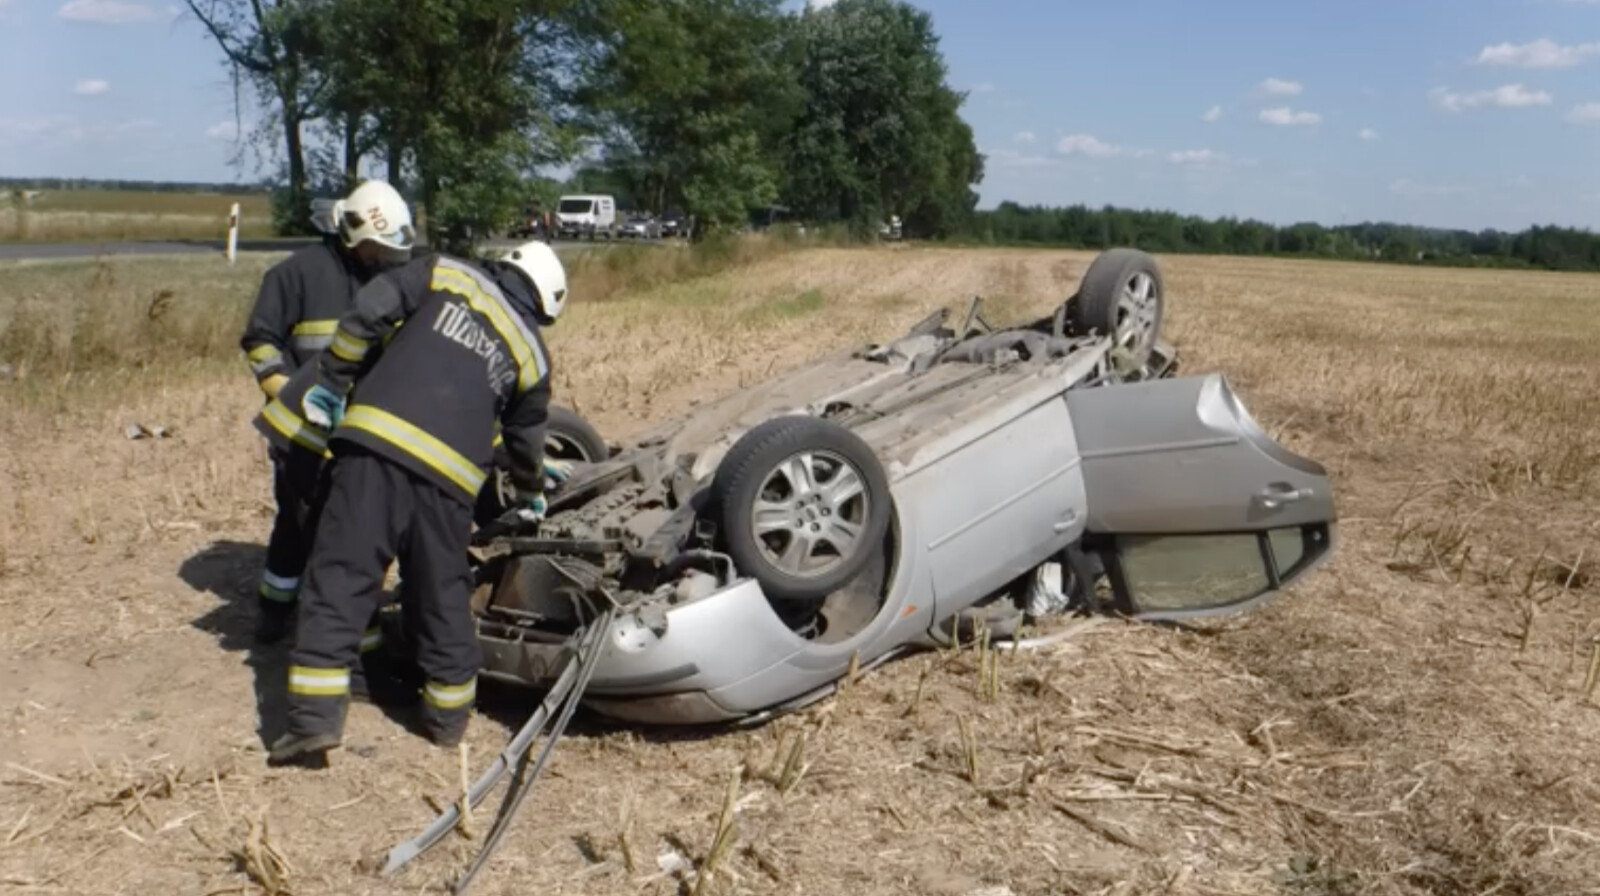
(318, 703)
(446, 710)
(310, 750)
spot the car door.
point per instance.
(990, 471)
(1193, 509)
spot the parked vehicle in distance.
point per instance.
(641, 226)
(590, 216)
(673, 224)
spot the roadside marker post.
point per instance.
(233, 232)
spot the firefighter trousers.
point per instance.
(294, 486)
(375, 511)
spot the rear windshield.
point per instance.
(575, 206)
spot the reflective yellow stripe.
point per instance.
(270, 592)
(417, 443)
(312, 682)
(531, 362)
(371, 639)
(263, 352)
(296, 430)
(451, 696)
(316, 327)
(347, 348)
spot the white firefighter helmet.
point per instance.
(375, 211)
(540, 264)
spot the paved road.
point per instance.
(20, 251)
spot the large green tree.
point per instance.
(470, 91)
(269, 44)
(692, 99)
(881, 132)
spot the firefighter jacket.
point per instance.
(300, 302)
(469, 356)
(282, 419)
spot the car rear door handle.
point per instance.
(1067, 522)
(1273, 498)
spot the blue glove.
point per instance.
(532, 507)
(323, 407)
(556, 472)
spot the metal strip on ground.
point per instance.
(403, 853)
(519, 788)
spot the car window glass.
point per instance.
(1186, 572)
(1288, 549)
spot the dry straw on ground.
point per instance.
(1412, 720)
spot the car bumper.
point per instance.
(717, 658)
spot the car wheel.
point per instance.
(567, 436)
(1122, 296)
(804, 505)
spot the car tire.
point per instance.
(1108, 297)
(575, 439)
(761, 467)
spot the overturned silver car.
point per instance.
(755, 548)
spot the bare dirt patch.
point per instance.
(1413, 720)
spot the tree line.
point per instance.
(64, 184)
(1078, 226)
(710, 107)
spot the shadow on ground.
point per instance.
(228, 570)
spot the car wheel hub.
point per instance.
(810, 512)
(1137, 308)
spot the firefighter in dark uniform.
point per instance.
(379, 677)
(299, 304)
(410, 455)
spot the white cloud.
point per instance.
(1208, 159)
(1407, 187)
(1010, 158)
(1024, 137)
(1280, 87)
(820, 4)
(1196, 157)
(1285, 116)
(106, 12)
(1541, 53)
(1083, 144)
(225, 130)
(1368, 134)
(91, 87)
(1588, 113)
(1507, 96)
(1212, 114)
(67, 129)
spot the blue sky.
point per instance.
(1469, 113)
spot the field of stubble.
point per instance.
(73, 215)
(1414, 719)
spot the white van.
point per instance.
(590, 215)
